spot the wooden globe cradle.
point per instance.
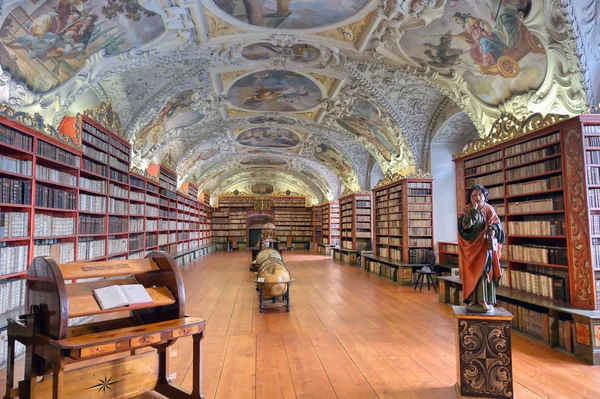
(120, 357)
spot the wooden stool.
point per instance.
(429, 275)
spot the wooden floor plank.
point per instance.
(273, 376)
(238, 378)
(346, 378)
(308, 375)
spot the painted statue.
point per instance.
(480, 241)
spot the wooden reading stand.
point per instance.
(105, 358)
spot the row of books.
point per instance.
(95, 167)
(390, 240)
(420, 199)
(12, 295)
(118, 191)
(527, 320)
(486, 180)
(117, 207)
(420, 207)
(552, 287)
(58, 154)
(533, 156)
(93, 185)
(92, 224)
(86, 137)
(420, 215)
(122, 177)
(118, 225)
(14, 224)
(420, 231)
(14, 191)
(537, 205)
(88, 248)
(414, 191)
(594, 197)
(13, 259)
(62, 252)
(535, 169)
(95, 154)
(16, 139)
(117, 245)
(532, 144)
(420, 242)
(555, 227)
(490, 167)
(534, 186)
(538, 253)
(136, 242)
(419, 255)
(136, 225)
(118, 164)
(92, 203)
(20, 166)
(51, 197)
(48, 226)
(44, 173)
(494, 156)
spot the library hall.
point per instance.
(281, 199)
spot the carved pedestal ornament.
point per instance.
(484, 355)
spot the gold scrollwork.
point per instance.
(105, 115)
(390, 177)
(36, 122)
(348, 33)
(262, 204)
(508, 127)
(326, 81)
(218, 27)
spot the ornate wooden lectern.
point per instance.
(117, 357)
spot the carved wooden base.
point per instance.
(483, 350)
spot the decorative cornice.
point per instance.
(394, 177)
(36, 122)
(508, 127)
(105, 115)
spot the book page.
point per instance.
(136, 294)
(110, 297)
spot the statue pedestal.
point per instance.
(483, 354)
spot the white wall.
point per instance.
(444, 191)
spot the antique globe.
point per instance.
(267, 253)
(273, 271)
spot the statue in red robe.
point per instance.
(479, 248)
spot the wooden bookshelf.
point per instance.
(404, 220)
(331, 223)
(448, 253)
(355, 221)
(543, 184)
(317, 224)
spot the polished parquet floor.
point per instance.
(350, 334)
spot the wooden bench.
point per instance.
(345, 255)
(325, 249)
(129, 347)
(586, 345)
(401, 273)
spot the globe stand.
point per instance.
(268, 302)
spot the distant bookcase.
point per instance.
(546, 186)
(331, 223)
(404, 220)
(448, 253)
(317, 224)
(355, 221)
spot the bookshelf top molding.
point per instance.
(35, 123)
(105, 115)
(507, 128)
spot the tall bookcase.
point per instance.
(317, 224)
(404, 220)
(293, 219)
(355, 221)
(331, 223)
(546, 184)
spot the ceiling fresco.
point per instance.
(291, 14)
(44, 43)
(279, 91)
(308, 96)
(268, 137)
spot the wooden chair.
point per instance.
(104, 356)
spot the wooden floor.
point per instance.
(350, 334)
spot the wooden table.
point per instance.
(273, 302)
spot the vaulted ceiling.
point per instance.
(298, 96)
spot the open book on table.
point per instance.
(115, 296)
